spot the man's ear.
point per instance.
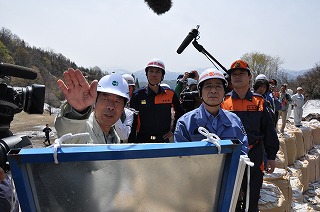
(94, 104)
(125, 102)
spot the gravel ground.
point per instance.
(32, 126)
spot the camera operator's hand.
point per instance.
(196, 75)
(185, 76)
(2, 174)
(77, 91)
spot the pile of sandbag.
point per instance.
(312, 195)
(281, 179)
(271, 198)
(297, 175)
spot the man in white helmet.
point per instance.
(298, 102)
(154, 104)
(226, 125)
(261, 86)
(92, 108)
(130, 80)
(124, 124)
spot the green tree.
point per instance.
(310, 82)
(4, 54)
(270, 66)
(21, 56)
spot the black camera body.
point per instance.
(188, 100)
(29, 98)
(12, 101)
(191, 75)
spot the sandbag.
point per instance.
(297, 189)
(294, 172)
(315, 134)
(281, 178)
(299, 206)
(307, 138)
(302, 164)
(312, 195)
(313, 168)
(316, 150)
(301, 151)
(271, 198)
(291, 147)
(281, 157)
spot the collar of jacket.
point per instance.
(149, 91)
(234, 95)
(203, 120)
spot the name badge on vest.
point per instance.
(252, 108)
(143, 102)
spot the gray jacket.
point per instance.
(70, 121)
(285, 104)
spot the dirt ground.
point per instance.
(32, 126)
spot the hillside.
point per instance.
(48, 65)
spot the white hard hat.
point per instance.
(211, 73)
(114, 84)
(192, 81)
(299, 88)
(261, 77)
(129, 79)
(165, 85)
(156, 63)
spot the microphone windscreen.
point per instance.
(159, 6)
(7, 69)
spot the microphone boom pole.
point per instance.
(201, 49)
(194, 35)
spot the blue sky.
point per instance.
(126, 34)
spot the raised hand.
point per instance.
(77, 91)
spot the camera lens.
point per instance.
(34, 99)
(191, 75)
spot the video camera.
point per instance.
(13, 100)
(190, 93)
(188, 100)
(191, 75)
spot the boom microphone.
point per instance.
(7, 69)
(192, 35)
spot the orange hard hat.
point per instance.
(239, 64)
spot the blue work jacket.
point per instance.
(227, 126)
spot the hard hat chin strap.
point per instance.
(154, 84)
